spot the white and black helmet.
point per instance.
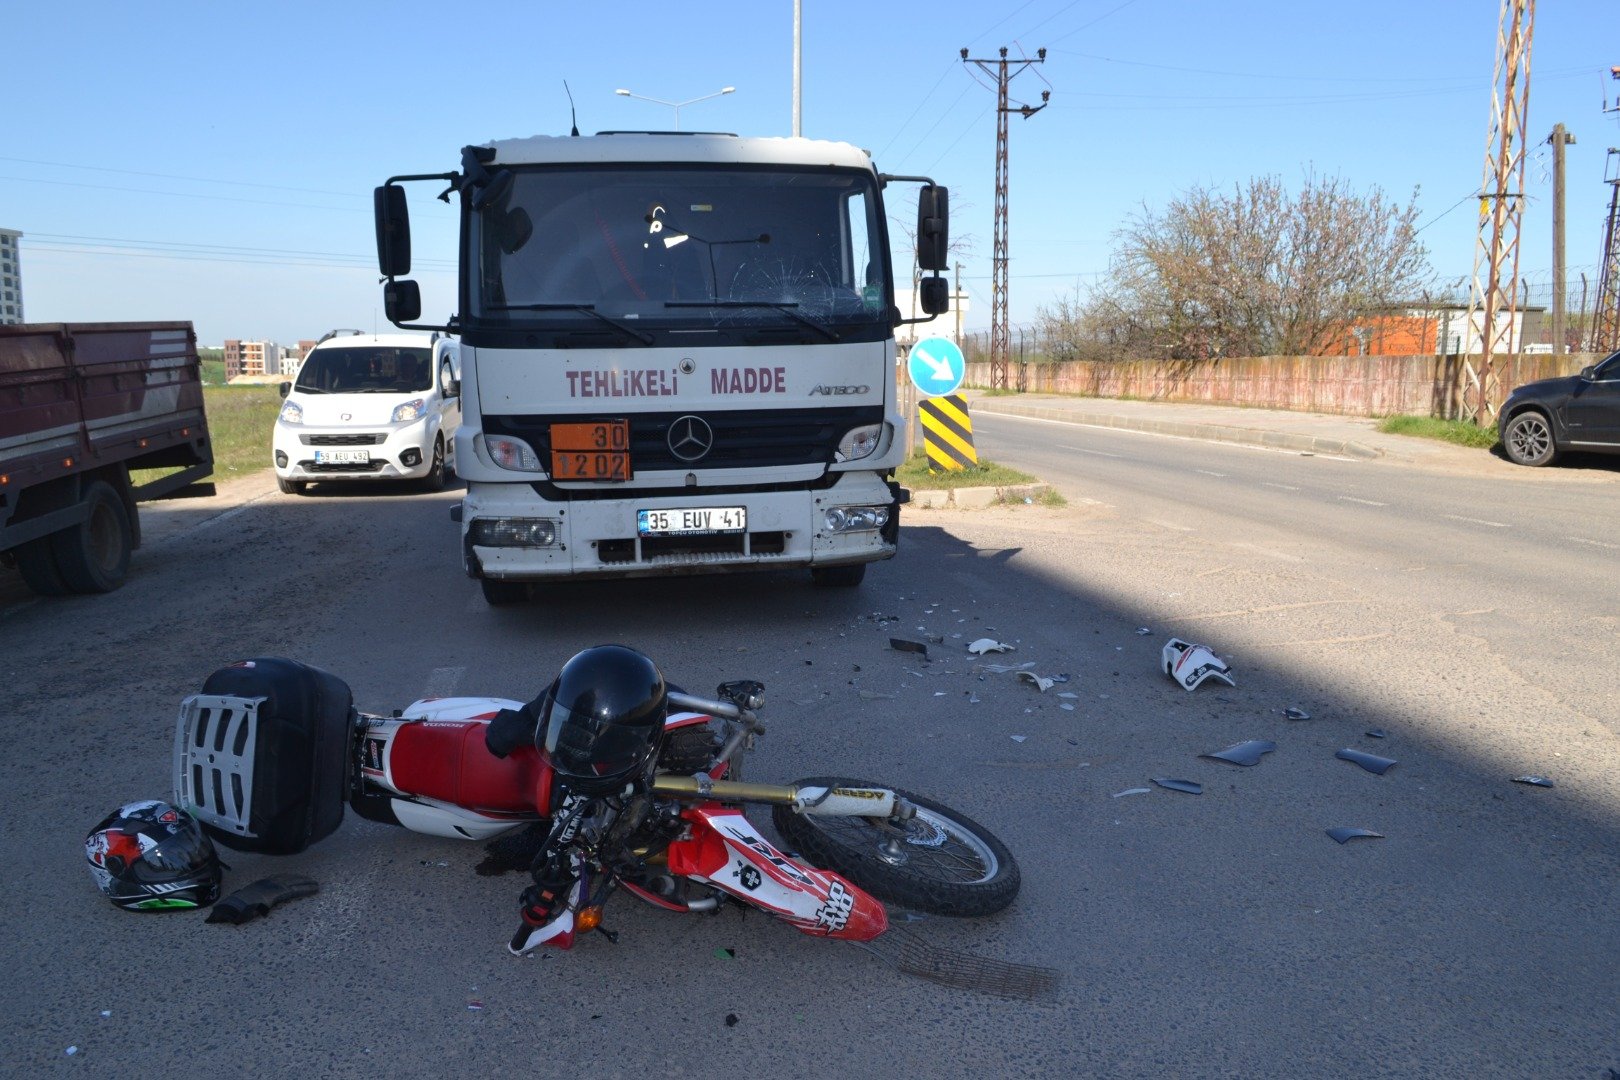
(151, 856)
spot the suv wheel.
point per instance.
(1528, 439)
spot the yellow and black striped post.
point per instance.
(947, 433)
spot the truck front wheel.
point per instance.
(93, 556)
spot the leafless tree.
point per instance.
(1253, 272)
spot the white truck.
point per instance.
(677, 354)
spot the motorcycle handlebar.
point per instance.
(724, 709)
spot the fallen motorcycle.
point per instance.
(646, 798)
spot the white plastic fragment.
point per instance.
(988, 645)
(1130, 791)
(1019, 738)
(1002, 669)
(1189, 664)
(1067, 707)
(71, 1051)
(1042, 683)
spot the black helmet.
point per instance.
(150, 856)
(603, 718)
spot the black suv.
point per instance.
(1541, 420)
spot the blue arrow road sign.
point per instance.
(936, 366)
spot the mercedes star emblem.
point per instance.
(690, 438)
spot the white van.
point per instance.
(370, 407)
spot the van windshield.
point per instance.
(368, 369)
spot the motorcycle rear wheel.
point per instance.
(942, 862)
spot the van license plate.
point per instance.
(691, 520)
(342, 457)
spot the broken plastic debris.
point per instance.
(873, 695)
(1019, 738)
(725, 954)
(1371, 762)
(731, 1018)
(1042, 683)
(1244, 753)
(1190, 664)
(475, 1006)
(902, 645)
(255, 901)
(988, 645)
(1061, 677)
(1376, 733)
(1067, 706)
(1295, 713)
(1344, 835)
(973, 699)
(1143, 631)
(1002, 669)
(1131, 791)
(1191, 787)
(1536, 781)
(1069, 694)
(70, 1051)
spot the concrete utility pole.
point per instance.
(1559, 139)
(1006, 70)
(798, 68)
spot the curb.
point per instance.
(973, 498)
(1277, 440)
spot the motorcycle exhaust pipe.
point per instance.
(811, 799)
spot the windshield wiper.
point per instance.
(589, 309)
(788, 308)
(310, 390)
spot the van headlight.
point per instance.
(510, 453)
(411, 410)
(291, 413)
(859, 442)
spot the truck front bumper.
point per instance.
(600, 537)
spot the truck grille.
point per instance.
(748, 439)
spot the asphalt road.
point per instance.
(1221, 934)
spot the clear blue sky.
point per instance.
(214, 162)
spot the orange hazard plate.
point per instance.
(593, 450)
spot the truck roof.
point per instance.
(677, 146)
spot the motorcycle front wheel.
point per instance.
(940, 862)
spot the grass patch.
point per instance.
(240, 419)
(1459, 432)
(915, 474)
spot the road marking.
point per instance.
(1284, 487)
(1083, 450)
(443, 682)
(1478, 521)
(1207, 472)
(1169, 525)
(1594, 543)
(1363, 502)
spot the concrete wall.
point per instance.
(1348, 385)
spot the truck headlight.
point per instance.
(859, 442)
(513, 532)
(510, 453)
(411, 410)
(843, 519)
(292, 412)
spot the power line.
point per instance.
(175, 176)
(187, 195)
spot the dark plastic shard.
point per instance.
(1344, 835)
(902, 645)
(1293, 712)
(1191, 787)
(255, 901)
(1371, 762)
(1244, 753)
(1534, 781)
(1378, 732)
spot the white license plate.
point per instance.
(342, 457)
(695, 519)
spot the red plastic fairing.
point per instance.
(447, 760)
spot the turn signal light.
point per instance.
(588, 919)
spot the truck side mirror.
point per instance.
(393, 232)
(402, 301)
(935, 295)
(933, 228)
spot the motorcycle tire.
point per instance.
(945, 863)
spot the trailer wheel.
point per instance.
(94, 556)
(37, 565)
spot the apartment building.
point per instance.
(256, 359)
(11, 299)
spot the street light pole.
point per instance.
(677, 105)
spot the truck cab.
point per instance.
(678, 355)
